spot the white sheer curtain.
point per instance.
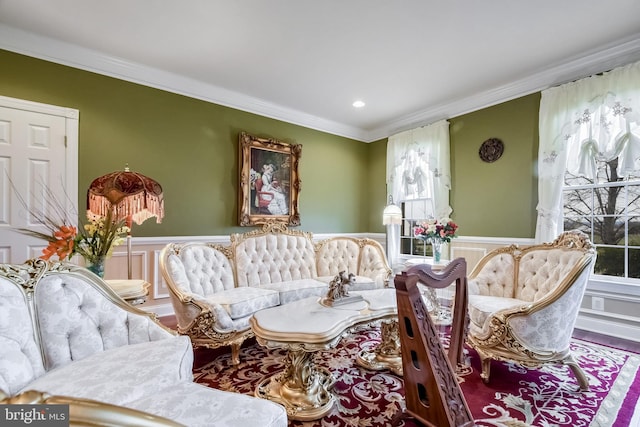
(418, 166)
(591, 120)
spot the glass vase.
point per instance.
(436, 247)
(96, 266)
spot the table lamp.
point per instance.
(128, 195)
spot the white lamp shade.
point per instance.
(392, 214)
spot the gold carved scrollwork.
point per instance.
(302, 387)
(390, 344)
(269, 227)
(202, 328)
(388, 354)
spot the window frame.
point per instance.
(589, 218)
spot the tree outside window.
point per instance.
(608, 209)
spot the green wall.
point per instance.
(496, 199)
(191, 148)
(376, 188)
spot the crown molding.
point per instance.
(59, 52)
(613, 55)
(616, 54)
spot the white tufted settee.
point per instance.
(524, 302)
(65, 333)
(215, 289)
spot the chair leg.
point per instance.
(235, 353)
(485, 362)
(583, 381)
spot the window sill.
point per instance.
(618, 286)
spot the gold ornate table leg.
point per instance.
(302, 387)
(387, 354)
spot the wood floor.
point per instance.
(628, 345)
(633, 346)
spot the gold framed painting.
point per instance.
(269, 181)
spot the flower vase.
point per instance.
(96, 266)
(436, 248)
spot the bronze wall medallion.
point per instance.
(491, 150)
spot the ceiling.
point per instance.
(412, 62)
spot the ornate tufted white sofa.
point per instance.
(64, 332)
(215, 289)
(524, 302)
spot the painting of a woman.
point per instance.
(269, 181)
(270, 198)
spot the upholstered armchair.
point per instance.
(524, 302)
(201, 283)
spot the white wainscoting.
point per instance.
(620, 316)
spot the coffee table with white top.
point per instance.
(304, 328)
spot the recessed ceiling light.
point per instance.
(358, 104)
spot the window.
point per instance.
(607, 208)
(419, 180)
(414, 211)
(589, 167)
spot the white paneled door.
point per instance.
(38, 155)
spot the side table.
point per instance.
(132, 291)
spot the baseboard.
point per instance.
(609, 327)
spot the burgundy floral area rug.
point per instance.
(514, 397)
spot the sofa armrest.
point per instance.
(217, 315)
(373, 263)
(537, 326)
(85, 412)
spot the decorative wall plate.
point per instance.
(491, 150)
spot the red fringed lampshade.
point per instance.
(128, 195)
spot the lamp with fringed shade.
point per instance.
(129, 196)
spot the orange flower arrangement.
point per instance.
(94, 241)
(63, 243)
